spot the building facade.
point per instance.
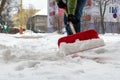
(111, 17)
(44, 20)
(51, 18)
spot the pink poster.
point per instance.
(60, 11)
(60, 17)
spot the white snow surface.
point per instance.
(78, 46)
(42, 12)
(37, 58)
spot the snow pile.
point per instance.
(38, 59)
(79, 46)
(28, 34)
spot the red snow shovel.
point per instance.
(78, 42)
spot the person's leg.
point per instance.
(78, 13)
(67, 27)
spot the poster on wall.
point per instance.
(51, 15)
(60, 17)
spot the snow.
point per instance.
(34, 56)
(42, 12)
(78, 45)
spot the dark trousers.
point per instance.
(78, 14)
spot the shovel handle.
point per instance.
(70, 23)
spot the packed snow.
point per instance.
(35, 56)
(80, 45)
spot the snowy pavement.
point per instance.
(38, 59)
